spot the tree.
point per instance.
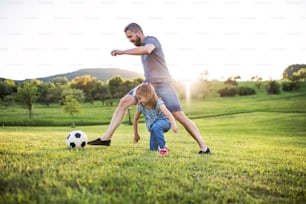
(86, 83)
(45, 95)
(7, 87)
(201, 88)
(232, 81)
(114, 86)
(102, 92)
(28, 94)
(71, 106)
(299, 75)
(8, 100)
(258, 81)
(289, 71)
(76, 93)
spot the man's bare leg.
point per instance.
(191, 128)
(125, 102)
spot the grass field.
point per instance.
(258, 156)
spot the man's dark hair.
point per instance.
(133, 27)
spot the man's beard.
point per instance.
(138, 41)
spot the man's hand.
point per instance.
(116, 52)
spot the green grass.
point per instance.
(258, 155)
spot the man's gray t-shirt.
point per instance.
(154, 64)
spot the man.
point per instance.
(156, 73)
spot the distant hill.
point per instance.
(99, 73)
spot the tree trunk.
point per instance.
(30, 111)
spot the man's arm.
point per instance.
(141, 50)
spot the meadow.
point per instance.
(258, 146)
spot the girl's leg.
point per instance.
(153, 142)
(158, 129)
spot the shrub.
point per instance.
(290, 86)
(273, 87)
(227, 91)
(244, 91)
(232, 91)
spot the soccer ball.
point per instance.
(76, 139)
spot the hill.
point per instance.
(99, 73)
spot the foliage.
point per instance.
(227, 91)
(290, 85)
(273, 87)
(299, 75)
(119, 86)
(232, 80)
(71, 106)
(293, 72)
(87, 84)
(245, 91)
(7, 87)
(77, 94)
(28, 94)
(8, 100)
(239, 90)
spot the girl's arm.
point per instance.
(135, 126)
(167, 113)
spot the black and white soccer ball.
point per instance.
(76, 139)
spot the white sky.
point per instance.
(40, 38)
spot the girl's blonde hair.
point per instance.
(147, 90)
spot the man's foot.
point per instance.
(205, 152)
(163, 152)
(98, 141)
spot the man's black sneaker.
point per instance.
(98, 141)
(205, 152)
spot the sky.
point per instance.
(39, 38)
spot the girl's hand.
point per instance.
(136, 138)
(175, 128)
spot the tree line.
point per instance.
(83, 88)
(89, 89)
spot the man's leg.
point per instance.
(125, 102)
(167, 93)
(191, 128)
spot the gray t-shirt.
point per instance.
(151, 115)
(154, 64)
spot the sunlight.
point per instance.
(187, 88)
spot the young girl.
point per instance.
(158, 118)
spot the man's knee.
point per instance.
(127, 101)
(179, 115)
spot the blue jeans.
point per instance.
(157, 138)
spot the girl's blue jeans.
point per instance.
(157, 130)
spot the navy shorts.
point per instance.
(167, 93)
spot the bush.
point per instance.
(227, 91)
(244, 91)
(273, 87)
(232, 91)
(290, 86)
